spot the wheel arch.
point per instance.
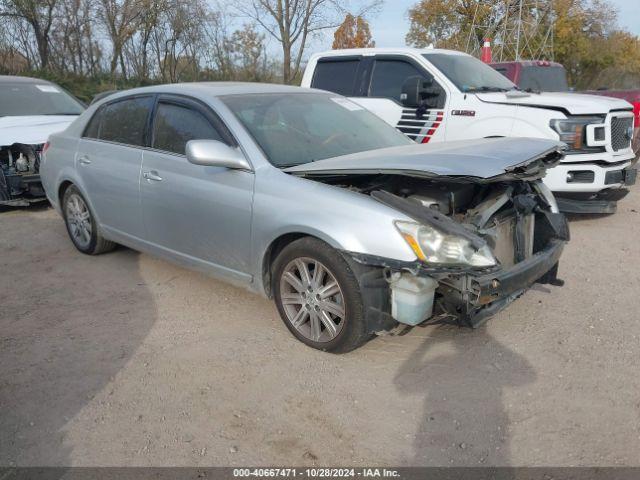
(67, 181)
(273, 250)
(64, 185)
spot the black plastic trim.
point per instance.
(504, 283)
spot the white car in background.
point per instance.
(434, 95)
(30, 110)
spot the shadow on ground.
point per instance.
(59, 325)
(464, 418)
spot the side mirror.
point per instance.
(213, 153)
(416, 92)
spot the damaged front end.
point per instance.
(516, 226)
(19, 175)
(479, 242)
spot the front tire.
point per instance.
(318, 296)
(81, 224)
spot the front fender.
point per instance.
(346, 220)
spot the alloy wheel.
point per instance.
(312, 299)
(79, 220)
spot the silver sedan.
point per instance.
(307, 198)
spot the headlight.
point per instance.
(435, 247)
(573, 131)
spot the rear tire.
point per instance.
(318, 296)
(81, 224)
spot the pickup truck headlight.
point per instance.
(573, 131)
(435, 247)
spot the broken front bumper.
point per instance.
(475, 296)
(506, 283)
(21, 190)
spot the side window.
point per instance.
(92, 129)
(125, 121)
(337, 76)
(175, 125)
(388, 77)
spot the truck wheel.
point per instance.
(81, 224)
(318, 296)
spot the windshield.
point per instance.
(544, 79)
(19, 99)
(469, 74)
(297, 128)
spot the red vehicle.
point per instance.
(545, 76)
(535, 75)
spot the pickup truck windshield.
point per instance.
(544, 79)
(297, 128)
(20, 99)
(469, 74)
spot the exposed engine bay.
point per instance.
(516, 220)
(19, 175)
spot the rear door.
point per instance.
(342, 75)
(109, 159)
(198, 214)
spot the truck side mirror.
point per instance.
(418, 91)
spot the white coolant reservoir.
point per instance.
(411, 297)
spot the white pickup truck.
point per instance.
(435, 95)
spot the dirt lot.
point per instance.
(123, 359)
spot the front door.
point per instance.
(199, 214)
(388, 76)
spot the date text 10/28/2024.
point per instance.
(316, 472)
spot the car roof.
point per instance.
(17, 79)
(378, 51)
(212, 89)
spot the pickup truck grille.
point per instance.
(620, 128)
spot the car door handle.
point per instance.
(84, 160)
(152, 175)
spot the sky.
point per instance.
(390, 25)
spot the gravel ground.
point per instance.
(124, 359)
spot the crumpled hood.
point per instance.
(574, 103)
(32, 129)
(483, 159)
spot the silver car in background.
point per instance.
(307, 198)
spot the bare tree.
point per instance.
(73, 46)
(138, 49)
(291, 23)
(179, 39)
(39, 15)
(121, 19)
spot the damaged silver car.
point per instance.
(305, 197)
(30, 110)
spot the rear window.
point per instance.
(338, 76)
(125, 121)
